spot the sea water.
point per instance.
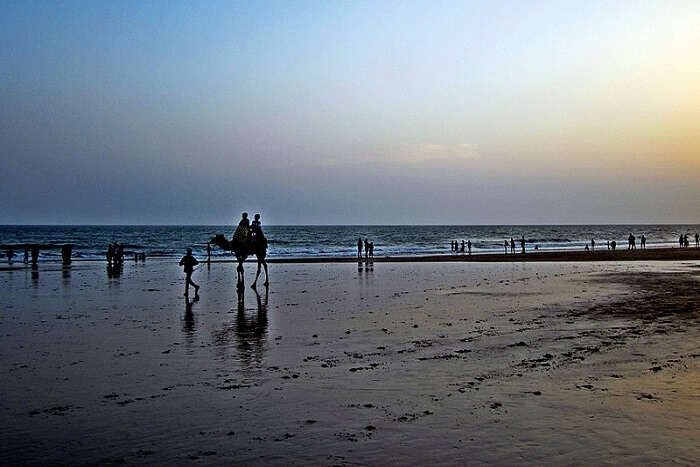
(90, 242)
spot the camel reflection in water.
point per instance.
(248, 332)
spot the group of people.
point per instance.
(466, 246)
(506, 244)
(369, 249)
(685, 243)
(115, 254)
(245, 232)
(248, 230)
(34, 250)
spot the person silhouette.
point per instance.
(366, 248)
(359, 248)
(463, 245)
(512, 245)
(697, 240)
(256, 226)
(592, 244)
(371, 250)
(505, 246)
(110, 254)
(522, 244)
(240, 236)
(469, 246)
(189, 262)
(643, 242)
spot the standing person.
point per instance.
(10, 255)
(26, 253)
(463, 246)
(686, 243)
(522, 244)
(35, 254)
(512, 245)
(110, 254)
(366, 248)
(120, 253)
(469, 246)
(697, 240)
(608, 244)
(371, 250)
(680, 241)
(359, 248)
(592, 244)
(630, 239)
(505, 246)
(643, 242)
(208, 252)
(189, 262)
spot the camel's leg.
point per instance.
(257, 274)
(239, 270)
(267, 282)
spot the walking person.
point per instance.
(189, 262)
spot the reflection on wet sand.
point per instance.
(65, 272)
(248, 332)
(188, 327)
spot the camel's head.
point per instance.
(221, 242)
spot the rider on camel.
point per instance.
(256, 227)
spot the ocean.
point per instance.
(90, 241)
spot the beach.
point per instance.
(407, 362)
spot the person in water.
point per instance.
(189, 262)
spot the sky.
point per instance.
(329, 112)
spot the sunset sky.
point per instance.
(350, 112)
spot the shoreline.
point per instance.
(651, 254)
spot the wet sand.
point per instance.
(404, 363)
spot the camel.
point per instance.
(256, 245)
